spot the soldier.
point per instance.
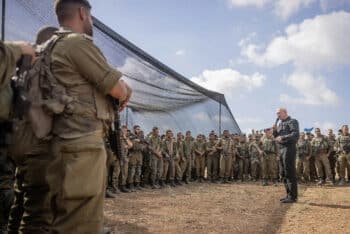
(313, 172)
(180, 149)
(124, 161)
(237, 169)
(146, 162)
(7, 172)
(331, 153)
(169, 151)
(342, 147)
(31, 211)
(135, 160)
(244, 153)
(156, 158)
(319, 148)
(255, 153)
(269, 158)
(10, 54)
(77, 146)
(226, 148)
(186, 162)
(212, 158)
(199, 150)
(303, 158)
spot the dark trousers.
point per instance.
(288, 171)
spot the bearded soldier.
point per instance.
(342, 146)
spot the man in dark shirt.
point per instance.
(286, 132)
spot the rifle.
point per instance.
(114, 136)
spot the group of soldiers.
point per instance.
(53, 167)
(158, 161)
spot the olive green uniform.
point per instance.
(180, 149)
(332, 156)
(199, 149)
(226, 148)
(135, 162)
(186, 162)
(319, 148)
(244, 153)
(269, 158)
(169, 151)
(254, 151)
(343, 158)
(79, 170)
(303, 159)
(156, 162)
(7, 171)
(213, 159)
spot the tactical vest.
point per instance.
(319, 144)
(244, 150)
(268, 145)
(343, 141)
(302, 148)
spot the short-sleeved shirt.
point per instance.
(81, 68)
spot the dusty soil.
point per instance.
(230, 208)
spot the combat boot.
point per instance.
(131, 187)
(341, 182)
(264, 183)
(178, 182)
(161, 184)
(124, 189)
(321, 182)
(186, 181)
(172, 183)
(138, 187)
(154, 185)
(110, 194)
(200, 180)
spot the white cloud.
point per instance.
(321, 41)
(311, 90)
(324, 126)
(285, 8)
(282, 8)
(180, 52)
(247, 3)
(229, 81)
(249, 120)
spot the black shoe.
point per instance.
(172, 183)
(138, 187)
(264, 183)
(283, 198)
(123, 189)
(177, 182)
(131, 187)
(106, 230)
(289, 200)
(162, 184)
(109, 194)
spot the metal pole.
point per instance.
(3, 20)
(220, 118)
(127, 116)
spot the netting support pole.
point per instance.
(3, 8)
(220, 118)
(127, 117)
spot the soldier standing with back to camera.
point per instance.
(78, 147)
(286, 133)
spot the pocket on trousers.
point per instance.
(84, 171)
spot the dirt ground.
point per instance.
(230, 208)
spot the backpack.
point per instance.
(38, 97)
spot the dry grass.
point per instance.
(232, 208)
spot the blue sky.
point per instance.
(262, 54)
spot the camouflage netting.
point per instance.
(162, 97)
